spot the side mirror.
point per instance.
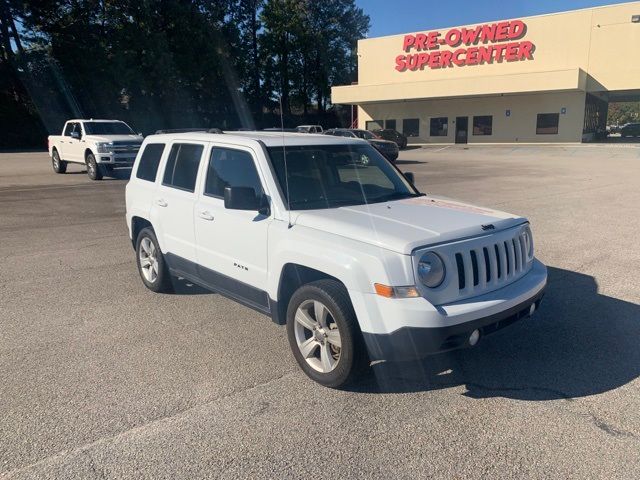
(409, 176)
(241, 198)
(75, 135)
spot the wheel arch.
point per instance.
(88, 152)
(292, 277)
(137, 225)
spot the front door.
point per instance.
(462, 128)
(173, 206)
(232, 244)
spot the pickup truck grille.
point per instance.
(122, 147)
(492, 264)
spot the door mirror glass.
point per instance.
(411, 177)
(75, 135)
(241, 198)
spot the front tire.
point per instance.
(324, 334)
(151, 264)
(93, 169)
(59, 166)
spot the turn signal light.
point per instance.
(396, 292)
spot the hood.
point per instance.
(404, 225)
(382, 143)
(114, 138)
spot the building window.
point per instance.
(439, 127)
(390, 124)
(482, 125)
(374, 125)
(547, 123)
(411, 127)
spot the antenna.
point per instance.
(286, 170)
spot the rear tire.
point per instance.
(59, 166)
(324, 334)
(93, 169)
(152, 267)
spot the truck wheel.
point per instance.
(324, 334)
(93, 169)
(59, 166)
(151, 265)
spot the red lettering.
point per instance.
(445, 58)
(526, 50)
(432, 40)
(456, 57)
(401, 63)
(518, 29)
(420, 39)
(434, 60)
(423, 58)
(498, 49)
(485, 54)
(511, 52)
(472, 56)
(488, 33)
(502, 31)
(408, 42)
(453, 37)
(412, 62)
(470, 36)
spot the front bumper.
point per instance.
(116, 159)
(448, 327)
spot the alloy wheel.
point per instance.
(317, 336)
(148, 260)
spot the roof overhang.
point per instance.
(518, 83)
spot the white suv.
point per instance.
(326, 236)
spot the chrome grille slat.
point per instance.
(497, 262)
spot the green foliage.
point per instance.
(177, 63)
(623, 112)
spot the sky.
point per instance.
(390, 17)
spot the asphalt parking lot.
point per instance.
(100, 378)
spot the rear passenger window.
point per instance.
(231, 168)
(182, 166)
(148, 166)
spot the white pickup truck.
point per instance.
(101, 145)
(325, 235)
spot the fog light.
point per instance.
(474, 337)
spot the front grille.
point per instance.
(119, 147)
(496, 263)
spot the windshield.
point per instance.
(329, 176)
(107, 128)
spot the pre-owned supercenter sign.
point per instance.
(458, 47)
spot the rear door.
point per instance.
(173, 205)
(65, 145)
(232, 244)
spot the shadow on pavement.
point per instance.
(185, 287)
(579, 343)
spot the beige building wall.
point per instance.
(590, 50)
(519, 126)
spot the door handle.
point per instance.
(205, 215)
(161, 202)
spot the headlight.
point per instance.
(431, 270)
(104, 147)
(528, 242)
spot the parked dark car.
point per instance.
(393, 136)
(388, 149)
(630, 130)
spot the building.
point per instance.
(546, 78)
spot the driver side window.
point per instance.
(231, 168)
